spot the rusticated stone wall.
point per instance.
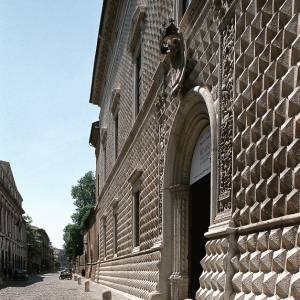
(266, 149)
(266, 111)
(268, 264)
(214, 264)
(136, 275)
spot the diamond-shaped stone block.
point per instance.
(247, 282)
(289, 237)
(283, 285)
(257, 283)
(269, 283)
(262, 241)
(293, 260)
(275, 239)
(237, 282)
(244, 262)
(279, 260)
(266, 261)
(254, 261)
(295, 286)
(293, 202)
(251, 242)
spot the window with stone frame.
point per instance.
(103, 137)
(181, 7)
(98, 246)
(184, 5)
(114, 108)
(115, 229)
(104, 161)
(137, 79)
(104, 232)
(136, 219)
(98, 183)
(116, 133)
(135, 47)
(136, 180)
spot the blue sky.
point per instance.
(46, 63)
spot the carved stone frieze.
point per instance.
(226, 123)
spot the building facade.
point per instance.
(197, 149)
(13, 242)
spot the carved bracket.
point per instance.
(172, 45)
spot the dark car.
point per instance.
(20, 274)
(65, 274)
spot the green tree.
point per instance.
(73, 239)
(84, 195)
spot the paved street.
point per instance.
(48, 287)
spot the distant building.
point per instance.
(60, 258)
(13, 243)
(40, 255)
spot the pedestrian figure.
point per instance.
(83, 272)
(9, 274)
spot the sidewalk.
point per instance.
(97, 290)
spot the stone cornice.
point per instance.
(94, 134)
(136, 25)
(106, 37)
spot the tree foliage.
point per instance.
(73, 239)
(33, 238)
(84, 195)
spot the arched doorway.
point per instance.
(189, 200)
(199, 208)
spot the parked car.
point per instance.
(65, 274)
(20, 274)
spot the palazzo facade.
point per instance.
(13, 242)
(197, 149)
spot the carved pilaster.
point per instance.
(225, 19)
(179, 277)
(226, 126)
(162, 130)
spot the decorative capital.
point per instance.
(179, 191)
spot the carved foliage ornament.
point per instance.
(161, 123)
(221, 7)
(226, 126)
(172, 44)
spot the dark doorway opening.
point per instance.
(199, 213)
